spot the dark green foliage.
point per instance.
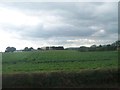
(28, 49)
(89, 78)
(10, 49)
(109, 47)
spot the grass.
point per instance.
(58, 61)
(60, 68)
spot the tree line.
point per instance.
(108, 47)
(12, 49)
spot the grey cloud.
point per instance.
(76, 18)
(61, 31)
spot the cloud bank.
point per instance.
(69, 24)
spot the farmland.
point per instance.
(57, 64)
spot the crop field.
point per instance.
(55, 66)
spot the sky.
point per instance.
(68, 24)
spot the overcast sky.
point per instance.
(68, 24)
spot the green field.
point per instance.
(45, 63)
(58, 60)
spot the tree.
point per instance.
(92, 48)
(39, 49)
(30, 49)
(10, 49)
(26, 49)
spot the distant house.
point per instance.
(53, 48)
(18, 51)
(45, 48)
(56, 48)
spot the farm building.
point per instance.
(18, 51)
(53, 48)
(44, 48)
